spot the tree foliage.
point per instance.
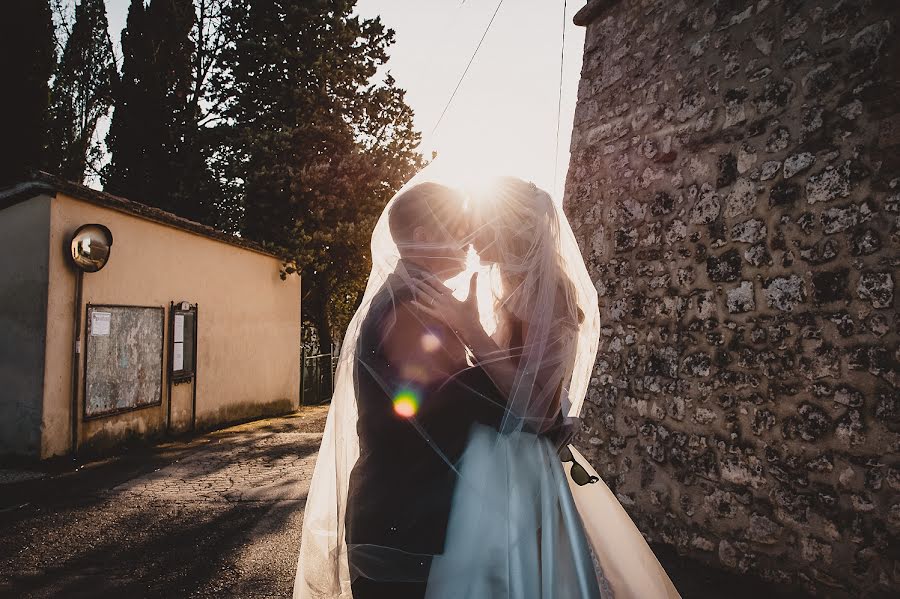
(319, 142)
(272, 119)
(163, 151)
(26, 30)
(130, 136)
(149, 117)
(82, 92)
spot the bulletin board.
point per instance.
(123, 358)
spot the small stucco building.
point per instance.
(184, 327)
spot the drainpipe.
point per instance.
(196, 363)
(169, 365)
(76, 355)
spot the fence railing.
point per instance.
(317, 378)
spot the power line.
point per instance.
(463, 76)
(562, 58)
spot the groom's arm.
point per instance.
(419, 350)
(400, 351)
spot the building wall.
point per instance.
(248, 344)
(735, 186)
(23, 302)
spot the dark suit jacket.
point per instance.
(401, 487)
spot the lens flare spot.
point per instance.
(406, 403)
(430, 342)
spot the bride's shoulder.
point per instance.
(566, 304)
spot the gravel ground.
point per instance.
(218, 515)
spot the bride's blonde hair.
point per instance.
(525, 230)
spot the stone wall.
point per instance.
(735, 187)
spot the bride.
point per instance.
(513, 509)
(515, 529)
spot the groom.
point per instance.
(416, 399)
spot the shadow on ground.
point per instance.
(74, 534)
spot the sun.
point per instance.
(466, 171)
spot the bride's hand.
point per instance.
(436, 300)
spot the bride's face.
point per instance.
(492, 234)
(485, 241)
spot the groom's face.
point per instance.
(429, 224)
(444, 245)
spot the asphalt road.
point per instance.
(218, 516)
(214, 516)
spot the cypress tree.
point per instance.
(27, 61)
(151, 119)
(170, 23)
(130, 134)
(82, 92)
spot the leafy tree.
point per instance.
(26, 29)
(317, 142)
(203, 191)
(82, 92)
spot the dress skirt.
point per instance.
(520, 528)
(514, 530)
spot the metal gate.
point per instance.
(317, 378)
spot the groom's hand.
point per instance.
(436, 300)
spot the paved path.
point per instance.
(215, 516)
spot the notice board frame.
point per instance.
(182, 376)
(87, 340)
(176, 377)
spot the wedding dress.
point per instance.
(514, 530)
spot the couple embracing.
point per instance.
(445, 469)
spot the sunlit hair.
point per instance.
(522, 225)
(431, 205)
(519, 233)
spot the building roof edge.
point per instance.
(42, 182)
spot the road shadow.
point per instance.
(154, 551)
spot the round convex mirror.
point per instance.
(91, 246)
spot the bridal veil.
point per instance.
(537, 300)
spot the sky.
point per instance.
(503, 119)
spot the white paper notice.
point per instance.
(100, 323)
(179, 328)
(178, 357)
